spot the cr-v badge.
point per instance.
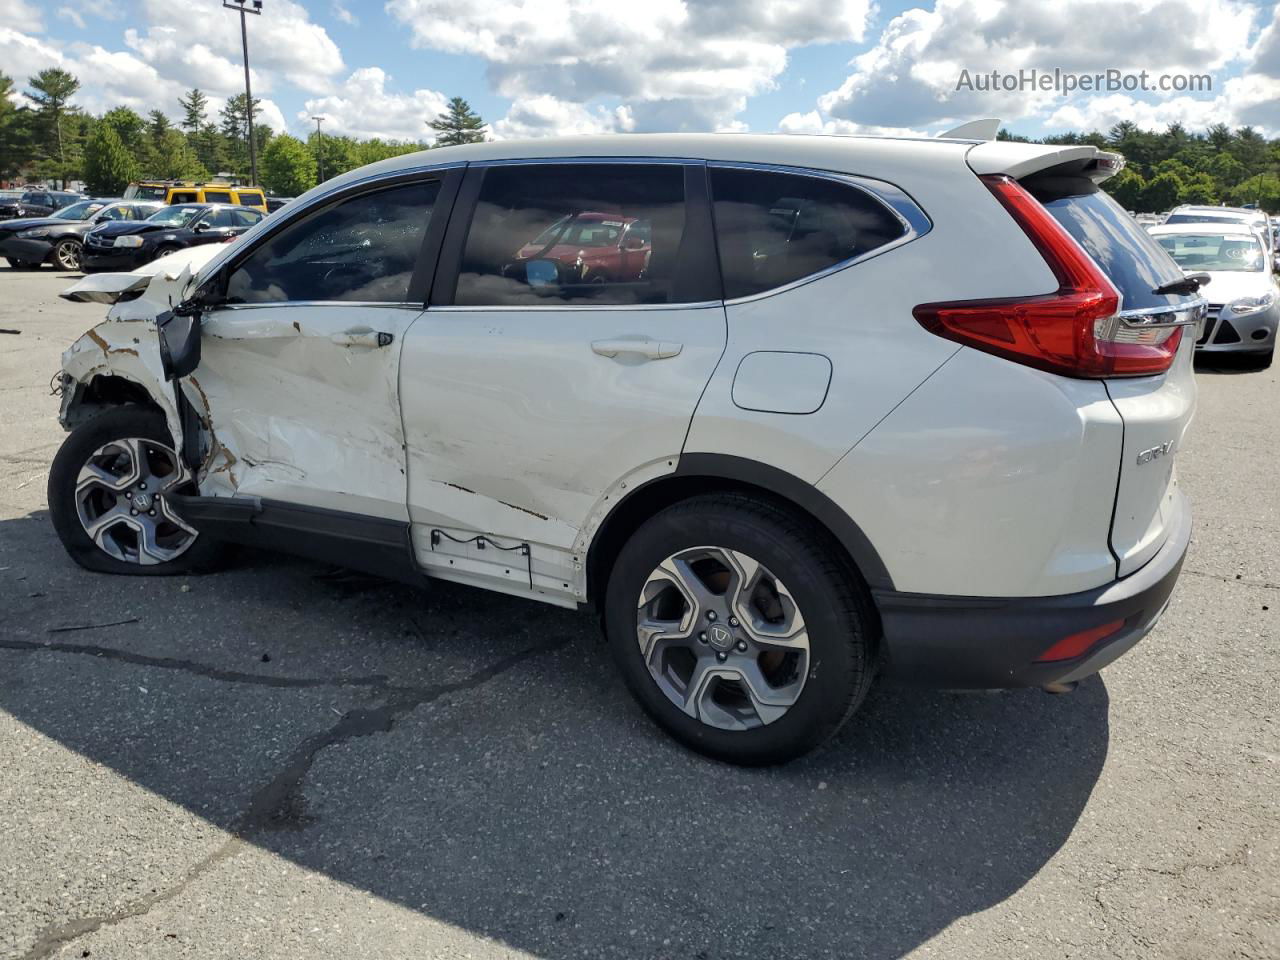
(1155, 453)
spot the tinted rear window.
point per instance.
(774, 228)
(1129, 255)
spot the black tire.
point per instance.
(165, 251)
(118, 423)
(835, 605)
(67, 254)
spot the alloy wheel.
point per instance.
(122, 501)
(723, 638)
(67, 253)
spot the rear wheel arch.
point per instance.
(698, 474)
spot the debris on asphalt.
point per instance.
(91, 626)
(5, 330)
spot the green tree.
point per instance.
(52, 90)
(334, 155)
(170, 157)
(1127, 186)
(108, 165)
(17, 147)
(458, 124)
(129, 127)
(234, 124)
(1264, 190)
(195, 105)
(371, 151)
(1226, 171)
(1161, 192)
(1198, 188)
(288, 167)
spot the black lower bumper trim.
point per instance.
(370, 544)
(990, 643)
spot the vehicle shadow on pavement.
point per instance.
(475, 758)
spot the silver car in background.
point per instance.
(1254, 219)
(1244, 298)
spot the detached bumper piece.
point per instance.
(369, 544)
(981, 643)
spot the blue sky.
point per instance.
(544, 67)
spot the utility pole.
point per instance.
(319, 151)
(247, 6)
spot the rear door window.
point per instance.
(184, 196)
(1127, 254)
(555, 234)
(774, 228)
(217, 196)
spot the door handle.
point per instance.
(649, 349)
(362, 337)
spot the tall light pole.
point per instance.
(247, 6)
(319, 151)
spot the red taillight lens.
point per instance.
(1068, 648)
(1073, 332)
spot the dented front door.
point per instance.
(300, 363)
(304, 404)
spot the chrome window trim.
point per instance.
(277, 304)
(897, 201)
(544, 307)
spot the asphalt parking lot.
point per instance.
(283, 760)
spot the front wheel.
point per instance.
(738, 629)
(108, 497)
(66, 254)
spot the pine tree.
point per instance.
(458, 124)
(52, 90)
(194, 107)
(17, 148)
(108, 166)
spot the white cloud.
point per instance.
(21, 15)
(813, 122)
(72, 16)
(343, 14)
(675, 64)
(362, 107)
(545, 116)
(909, 77)
(283, 42)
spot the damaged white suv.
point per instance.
(787, 410)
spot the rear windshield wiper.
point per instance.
(1187, 285)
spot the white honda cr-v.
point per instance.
(789, 411)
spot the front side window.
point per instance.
(547, 234)
(117, 211)
(78, 211)
(1195, 252)
(774, 228)
(362, 249)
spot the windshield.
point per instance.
(174, 216)
(1196, 251)
(78, 211)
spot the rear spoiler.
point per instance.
(1020, 160)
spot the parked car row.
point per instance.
(35, 203)
(119, 234)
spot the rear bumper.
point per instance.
(991, 643)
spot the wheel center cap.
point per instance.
(720, 637)
(142, 501)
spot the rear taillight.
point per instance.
(1076, 331)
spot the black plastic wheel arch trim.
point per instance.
(799, 492)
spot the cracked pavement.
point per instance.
(276, 760)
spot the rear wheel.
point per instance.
(166, 250)
(66, 254)
(108, 489)
(738, 630)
